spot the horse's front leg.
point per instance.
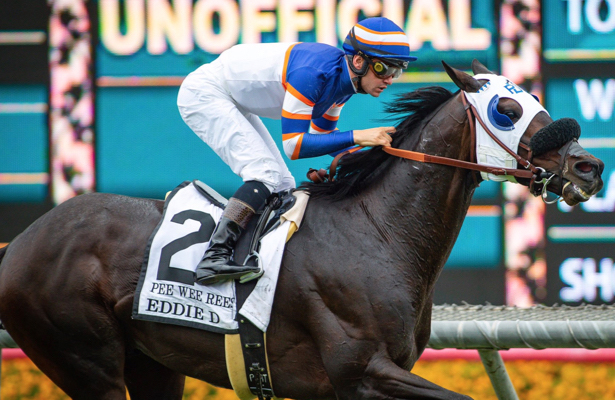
(360, 367)
(380, 380)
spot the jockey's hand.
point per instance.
(380, 136)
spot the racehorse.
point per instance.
(352, 311)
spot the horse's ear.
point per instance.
(479, 68)
(463, 81)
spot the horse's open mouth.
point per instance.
(577, 190)
(573, 194)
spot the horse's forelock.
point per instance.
(358, 170)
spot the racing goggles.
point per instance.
(383, 70)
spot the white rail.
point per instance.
(492, 328)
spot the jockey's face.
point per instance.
(370, 82)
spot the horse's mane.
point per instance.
(358, 170)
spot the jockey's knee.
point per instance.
(273, 179)
(287, 183)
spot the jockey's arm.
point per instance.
(371, 137)
(320, 141)
(303, 137)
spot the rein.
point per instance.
(529, 172)
(539, 178)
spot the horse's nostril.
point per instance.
(584, 166)
(589, 167)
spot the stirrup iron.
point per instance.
(252, 275)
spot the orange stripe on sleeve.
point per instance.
(286, 114)
(330, 118)
(286, 57)
(298, 95)
(319, 129)
(286, 136)
(297, 148)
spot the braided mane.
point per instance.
(358, 170)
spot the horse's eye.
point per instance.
(512, 115)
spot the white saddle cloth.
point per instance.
(166, 291)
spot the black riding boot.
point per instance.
(217, 265)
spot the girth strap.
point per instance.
(251, 337)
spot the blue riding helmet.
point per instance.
(379, 38)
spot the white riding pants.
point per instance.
(239, 138)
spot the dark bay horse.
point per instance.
(353, 306)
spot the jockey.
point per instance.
(304, 84)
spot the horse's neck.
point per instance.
(424, 205)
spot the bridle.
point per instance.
(539, 178)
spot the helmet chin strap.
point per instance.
(358, 72)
